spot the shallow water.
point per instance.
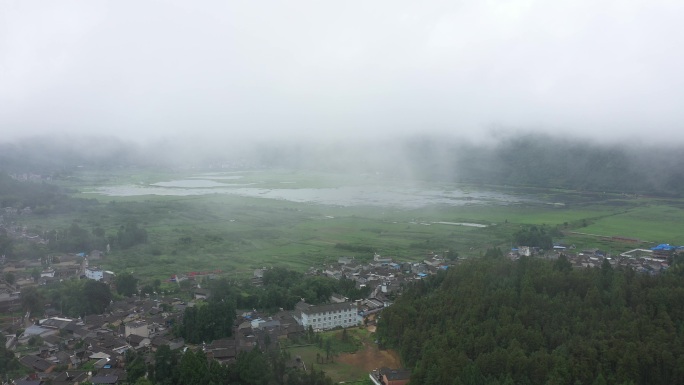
(390, 195)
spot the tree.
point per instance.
(208, 322)
(147, 289)
(534, 237)
(135, 366)
(35, 274)
(328, 349)
(6, 243)
(126, 284)
(10, 278)
(9, 364)
(97, 296)
(157, 285)
(563, 264)
(131, 235)
(493, 253)
(193, 368)
(32, 300)
(35, 341)
(165, 365)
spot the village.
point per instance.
(60, 350)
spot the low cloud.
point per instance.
(252, 71)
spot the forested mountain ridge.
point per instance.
(543, 161)
(538, 322)
(533, 160)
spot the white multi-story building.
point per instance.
(328, 316)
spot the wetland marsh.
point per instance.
(237, 221)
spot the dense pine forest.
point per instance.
(540, 322)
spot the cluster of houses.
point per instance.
(16, 231)
(30, 177)
(384, 276)
(648, 261)
(60, 350)
(71, 351)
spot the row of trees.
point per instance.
(533, 321)
(169, 367)
(534, 236)
(73, 298)
(76, 238)
(283, 288)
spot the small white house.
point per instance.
(94, 273)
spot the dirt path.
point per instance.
(370, 357)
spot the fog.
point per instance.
(220, 74)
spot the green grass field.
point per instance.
(313, 354)
(652, 223)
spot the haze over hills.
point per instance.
(537, 160)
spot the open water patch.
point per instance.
(346, 196)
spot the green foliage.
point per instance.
(10, 278)
(283, 288)
(97, 296)
(131, 235)
(6, 244)
(32, 300)
(562, 264)
(536, 322)
(355, 248)
(126, 284)
(76, 239)
(165, 365)
(77, 297)
(533, 236)
(35, 341)
(9, 364)
(210, 321)
(44, 197)
(35, 274)
(250, 368)
(207, 322)
(493, 253)
(544, 161)
(135, 366)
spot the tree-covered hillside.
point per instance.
(521, 160)
(540, 322)
(543, 161)
(41, 197)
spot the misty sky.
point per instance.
(330, 69)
